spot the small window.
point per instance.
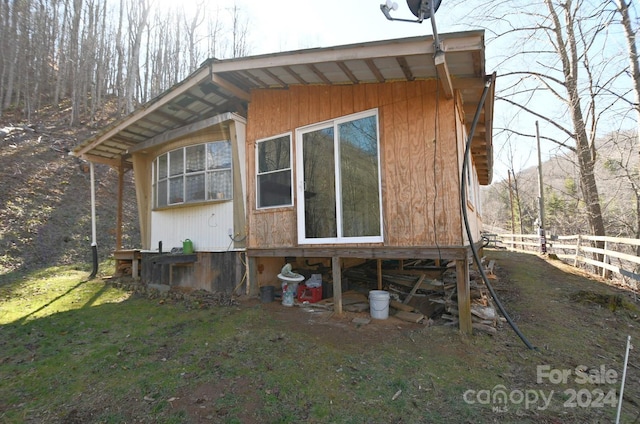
(273, 180)
(193, 174)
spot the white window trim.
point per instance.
(302, 239)
(290, 135)
(205, 172)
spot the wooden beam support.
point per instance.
(252, 276)
(448, 252)
(336, 271)
(379, 266)
(443, 74)
(464, 296)
(114, 162)
(415, 288)
(233, 89)
(183, 131)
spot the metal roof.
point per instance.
(223, 86)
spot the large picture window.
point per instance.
(193, 174)
(273, 179)
(339, 181)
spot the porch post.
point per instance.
(337, 284)
(464, 296)
(252, 276)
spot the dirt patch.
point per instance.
(213, 401)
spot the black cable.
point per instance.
(463, 200)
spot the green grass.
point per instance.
(84, 351)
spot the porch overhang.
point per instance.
(224, 86)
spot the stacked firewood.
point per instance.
(425, 293)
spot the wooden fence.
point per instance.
(617, 256)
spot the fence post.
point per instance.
(575, 260)
(605, 259)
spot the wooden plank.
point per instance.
(443, 74)
(418, 165)
(464, 298)
(142, 170)
(336, 273)
(402, 153)
(336, 101)
(359, 97)
(400, 306)
(346, 92)
(414, 289)
(433, 274)
(303, 103)
(233, 89)
(252, 277)
(432, 165)
(444, 252)
(184, 131)
(379, 273)
(371, 95)
(409, 316)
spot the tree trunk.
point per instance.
(568, 52)
(12, 53)
(630, 35)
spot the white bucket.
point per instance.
(379, 303)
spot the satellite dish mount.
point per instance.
(421, 9)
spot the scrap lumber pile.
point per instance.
(421, 292)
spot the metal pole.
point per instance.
(624, 376)
(94, 244)
(513, 220)
(543, 241)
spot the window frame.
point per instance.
(163, 179)
(259, 174)
(300, 183)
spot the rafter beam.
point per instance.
(233, 89)
(443, 74)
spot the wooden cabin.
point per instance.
(333, 156)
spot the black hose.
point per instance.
(463, 200)
(94, 252)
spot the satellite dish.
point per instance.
(422, 9)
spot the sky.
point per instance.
(298, 24)
(294, 24)
(285, 25)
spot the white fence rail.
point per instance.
(617, 255)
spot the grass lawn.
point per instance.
(74, 351)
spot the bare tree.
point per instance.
(191, 28)
(85, 50)
(239, 29)
(138, 19)
(634, 71)
(560, 72)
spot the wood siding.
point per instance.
(419, 153)
(215, 272)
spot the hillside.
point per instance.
(618, 187)
(45, 194)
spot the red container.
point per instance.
(309, 294)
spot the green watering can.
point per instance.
(187, 247)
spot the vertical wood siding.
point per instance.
(419, 153)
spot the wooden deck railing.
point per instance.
(618, 255)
